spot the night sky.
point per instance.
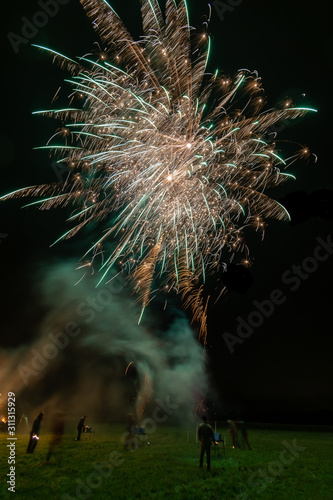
(282, 369)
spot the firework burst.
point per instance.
(175, 160)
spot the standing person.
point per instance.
(24, 421)
(243, 427)
(80, 427)
(233, 433)
(129, 439)
(34, 434)
(205, 436)
(57, 430)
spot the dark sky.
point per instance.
(285, 363)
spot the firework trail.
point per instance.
(175, 170)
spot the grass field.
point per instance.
(282, 465)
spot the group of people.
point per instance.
(57, 431)
(206, 437)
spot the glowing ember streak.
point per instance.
(175, 181)
(129, 364)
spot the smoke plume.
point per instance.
(89, 355)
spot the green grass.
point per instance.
(168, 468)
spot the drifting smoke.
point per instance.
(91, 357)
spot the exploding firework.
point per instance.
(174, 160)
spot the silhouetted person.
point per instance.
(80, 427)
(205, 436)
(34, 434)
(243, 428)
(24, 421)
(57, 431)
(233, 432)
(129, 439)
